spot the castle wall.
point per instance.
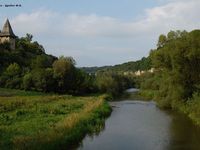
(4, 39)
(10, 40)
(12, 44)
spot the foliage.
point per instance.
(29, 67)
(24, 54)
(41, 61)
(64, 72)
(5, 92)
(113, 83)
(11, 78)
(175, 84)
(143, 64)
(179, 61)
(192, 108)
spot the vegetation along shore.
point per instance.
(175, 84)
(28, 119)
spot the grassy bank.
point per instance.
(146, 94)
(38, 121)
(191, 108)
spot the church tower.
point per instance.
(7, 35)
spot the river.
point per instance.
(140, 125)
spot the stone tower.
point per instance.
(7, 35)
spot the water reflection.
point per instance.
(142, 126)
(132, 90)
(184, 135)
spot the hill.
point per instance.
(25, 53)
(133, 66)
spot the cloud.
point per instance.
(36, 22)
(89, 32)
(174, 15)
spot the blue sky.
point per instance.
(126, 9)
(100, 32)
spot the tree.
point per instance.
(64, 72)
(41, 61)
(43, 80)
(161, 41)
(178, 63)
(107, 84)
(84, 83)
(28, 81)
(11, 78)
(13, 70)
(29, 37)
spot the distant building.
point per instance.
(138, 73)
(7, 35)
(152, 70)
(141, 72)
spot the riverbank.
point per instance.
(191, 108)
(30, 119)
(140, 125)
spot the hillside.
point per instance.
(25, 53)
(143, 64)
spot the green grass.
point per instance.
(192, 108)
(147, 94)
(48, 121)
(11, 92)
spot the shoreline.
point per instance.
(187, 108)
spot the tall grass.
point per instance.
(192, 108)
(49, 122)
(11, 92)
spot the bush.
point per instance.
(27, 81)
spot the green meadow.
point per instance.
(31, 120)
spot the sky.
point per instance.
(100, 32)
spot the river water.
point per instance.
(140, 125)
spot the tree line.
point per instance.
(30, 68)
(176, 80)
(132, 66)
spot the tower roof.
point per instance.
(7, 30)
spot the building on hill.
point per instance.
(141, 72)
(7, 35)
